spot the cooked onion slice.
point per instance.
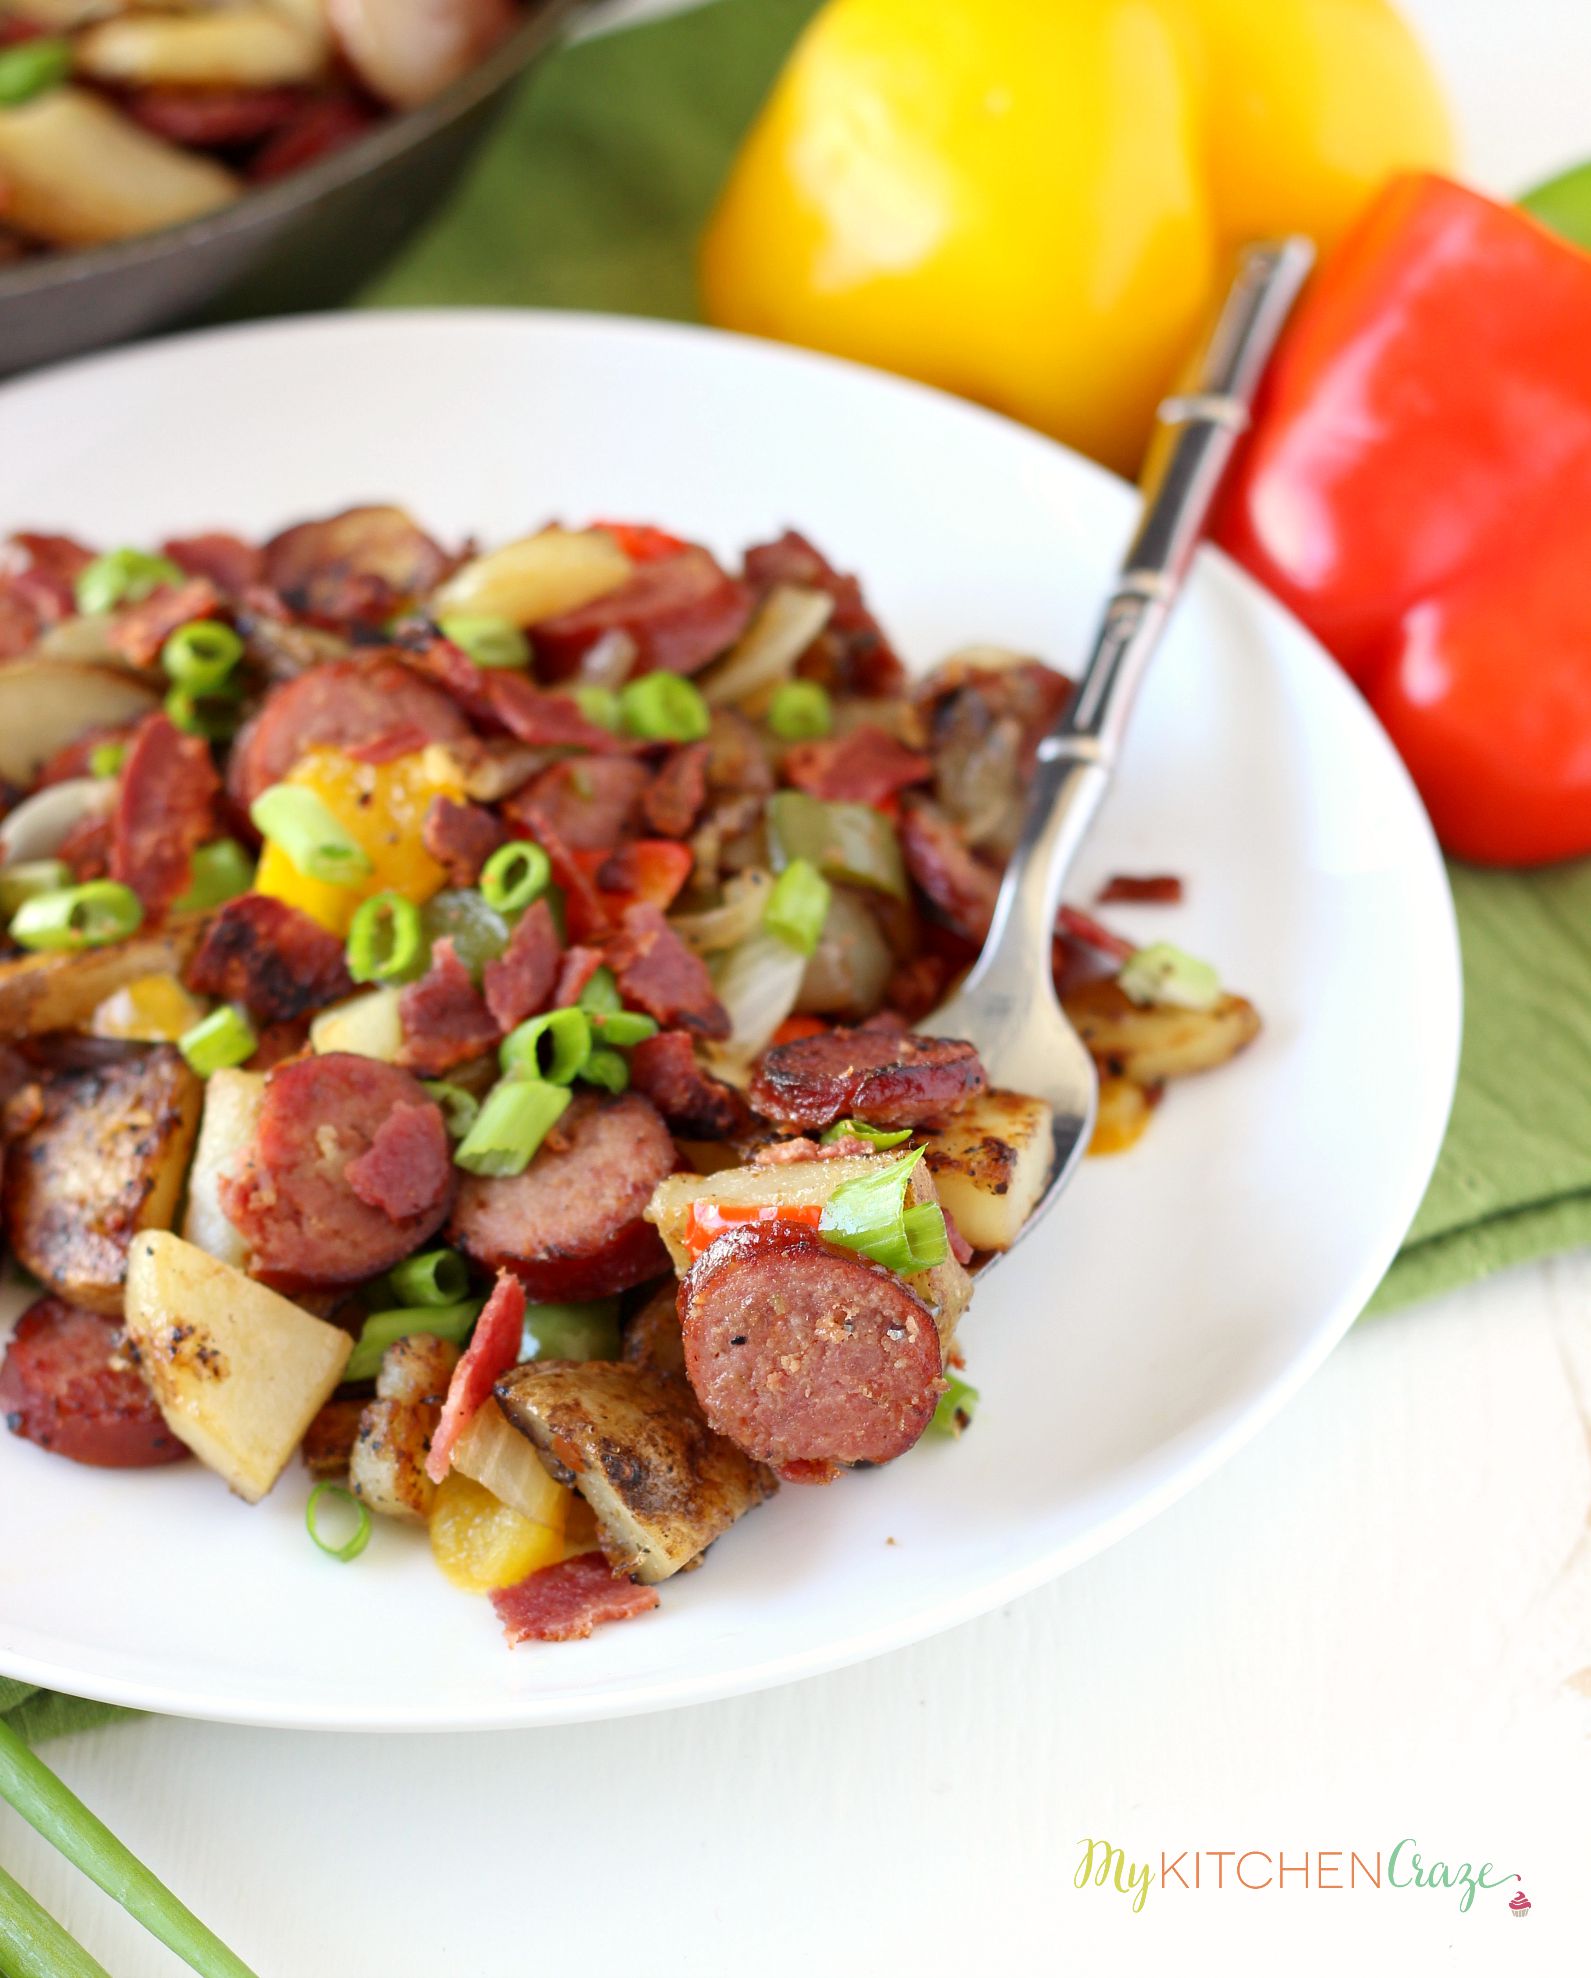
(789, 620)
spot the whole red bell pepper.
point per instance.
(1417, 488)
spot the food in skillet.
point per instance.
(467, 1018)
(117, 118)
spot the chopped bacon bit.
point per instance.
(213, 118)
(1083, 927)
(592, 802)
(585, 916)
(960, 1248)
(567, 1601)
(1161, 889)
(406, 1165)
(545, 721)
(795, 1027)
(325, 124)
(406, 738)
(867, 766)
(165, 809)
(707, 1221)
(493, 1349)
(85, 850)
(275, 961)
(576, 970)
(807, 1470)
(781, 1153)
(865, 662)
(664, 1069)
(449, 667)
(657, 973)
(37, 576)
(461, 837)
(139, 630)
(676, 796)
(443, 1019)
(231, 564)
(521, 980)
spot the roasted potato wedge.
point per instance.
(1149, 1044)
(62, 992)
(632, 1441)
(990, 1165)
(652, 1337)
(387, 1468)
(238, 1371)
(944, 1290)
(105, 1160)
(46, 703)
(231, 1106)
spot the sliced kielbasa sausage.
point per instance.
(571, 1226)
(681, 611)
(348, 1171)
(807, 1354)
(889, 1078)
(69, 1385)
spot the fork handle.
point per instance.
(1196, 432)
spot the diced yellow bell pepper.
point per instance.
(480, 1543)
(153, 1009)
(380, 804)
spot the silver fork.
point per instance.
(1007, 1006)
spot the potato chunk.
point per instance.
(105, 1160)
(990, 1165)
(1153, 1043)
(61, 992)
(232, 1101)
(238, 1371)
(633, 1442)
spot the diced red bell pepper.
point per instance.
(1414, 490)
(707, 1221)
(642, 543)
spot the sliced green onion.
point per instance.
(122, 576)
(517, 1115)
(600, 706)
(460, 1109)
(222, 1039)
(31, 67)
(572, 1332)
(66, 1823)
(607, 1069)
(212, 717)
(384, 1329)
(875, 1136)
(1162, 974)
(30, 878)
(488, 641)
(553, 1046)
(956, 1408)
(515, 875)
(801, 712)
(624, 1027)
(313, 840)
(88, 916)
(434, 1277)
(852, 843)
(358, 1539)
(33, 1944)
(600, 997)
(386, 940)
(663, 707)
(105, 759)
(461, 915)
(871, 1216)
(219, 872)
(798, 906)
(201, 655)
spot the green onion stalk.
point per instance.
(33, 1944)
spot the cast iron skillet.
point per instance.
(300, 244)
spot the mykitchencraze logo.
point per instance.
(1103, 1865)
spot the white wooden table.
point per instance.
(1374, 1624)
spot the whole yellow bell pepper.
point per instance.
(1030, 201)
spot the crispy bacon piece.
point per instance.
(461, 837)
(228, 562)
(677, 793)
(275, 961)
(886, 1077)
(585, 915)
(443, 1018)
(664, 1069)
(325, 124)
(165, 809)
(213, 119)
(406, 738)
(680, 610)
(424, 650)
(76, 757)
(567, 1601)
(493, 1349)
(544, 721)
(85, 850)
(521, 981)
(864, 767)
(592, 802)
(1161, 889)
(37, 575)
(852, 647)
(278, 1042)
(360, 567)
(657, 973)
(138, 631)
(574, 972)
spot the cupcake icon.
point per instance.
(1520, 1904)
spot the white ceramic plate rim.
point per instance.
(1155, 1481)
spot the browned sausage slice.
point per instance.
(68, 1385)
(804, 1353)
(889, 1078)
(681, 611)
(349, 1170)
(571, 1226)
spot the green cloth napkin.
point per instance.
(591, 195)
